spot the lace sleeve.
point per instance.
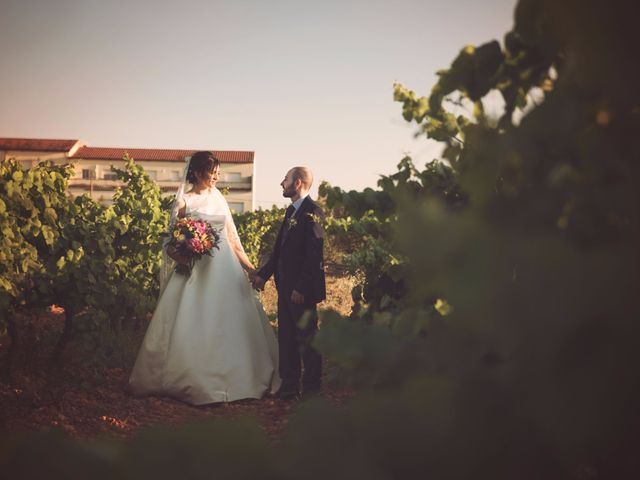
(232, 234)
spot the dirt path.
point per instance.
(88, 402)
(85, 411)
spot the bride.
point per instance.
(209, 339)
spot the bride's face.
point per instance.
(208, 179)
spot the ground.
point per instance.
(88, 399)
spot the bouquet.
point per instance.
(192, 238)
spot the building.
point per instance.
(93, 175)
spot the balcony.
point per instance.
(100, 184)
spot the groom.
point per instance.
(298, 267)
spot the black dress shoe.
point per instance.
(287, 394)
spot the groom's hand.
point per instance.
(297, 297)
(258, 282)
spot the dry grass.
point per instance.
(338, 296)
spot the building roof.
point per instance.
(37, 144)
(156, 154)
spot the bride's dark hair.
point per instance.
(201, 162)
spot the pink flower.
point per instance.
(195, 244)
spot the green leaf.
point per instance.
(443, 307)
(7, 285)
(8, 232)
(48, 235)
(50, 214)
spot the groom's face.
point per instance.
(288, 185)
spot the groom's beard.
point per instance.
(288, 192)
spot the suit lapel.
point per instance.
(296, 216)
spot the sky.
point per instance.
(297, 82)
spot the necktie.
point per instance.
(289, 212)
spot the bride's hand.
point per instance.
(173, 253)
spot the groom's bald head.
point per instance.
(304, 175)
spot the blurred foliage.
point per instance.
(220, 449)
(533, 364)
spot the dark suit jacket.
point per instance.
(297, 260)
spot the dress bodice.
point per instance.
(209, 206)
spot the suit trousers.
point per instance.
(297, 325)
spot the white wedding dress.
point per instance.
(209, 339)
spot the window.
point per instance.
(86, 174)
(110, 176)
(174, 175)
(237, 207)
(153, 175)
(232, 177)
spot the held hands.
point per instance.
(251, 273)
(257, 282)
